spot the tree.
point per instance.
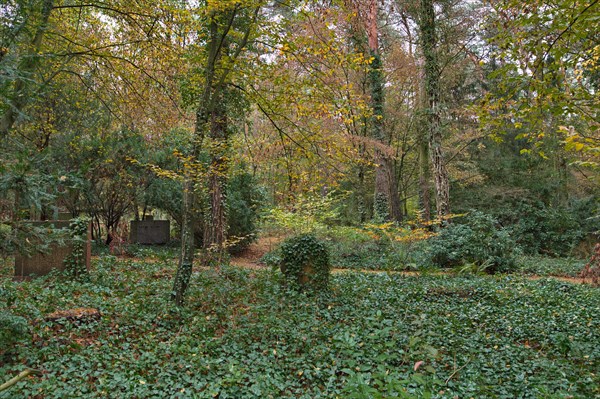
(17, 86)
(545, 63)
(428, 40)
(229, 27)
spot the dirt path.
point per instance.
(250, 259)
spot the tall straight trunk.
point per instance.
(424, 168)
(19, 98)
(427, 28)
(424, 178)
(186, 256)
(386, 201)
(215, 223)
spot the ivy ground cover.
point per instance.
(242, 335)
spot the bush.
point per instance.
(244, 198)
(12, 328)
(305, 262)
(545, 230)
(477, 241)
(372, 247)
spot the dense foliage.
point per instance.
(305, 262)
(354, 121)
(476, 239)
(245, 199)
(242, 337)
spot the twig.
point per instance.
(457, 370)
(18, 378)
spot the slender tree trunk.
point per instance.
(424, 178)
(188, 221)
(211, 118)
(427, 27)
(186, 257)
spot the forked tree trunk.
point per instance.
(188, 248)
(211, 119)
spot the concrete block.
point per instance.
(41, 264)
(151, 232)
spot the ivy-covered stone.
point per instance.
(305, 262)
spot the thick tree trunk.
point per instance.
(427, 27)
(386, 201)
(215, 224)
(424, 161)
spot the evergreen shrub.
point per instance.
(244, 198)
(13, 328)
(543, 229)
(477, 240)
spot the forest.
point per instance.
(299, 199)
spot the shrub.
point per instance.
(542, 229)
(244, 198)
(373, 246)
(305, 262)
(12, 327)
(477, 241)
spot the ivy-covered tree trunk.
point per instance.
(188, 248)
(424, 178)
(423, 146)
(211, 121)
(427, 28)
(186, 257)
(215, 225)
(386, 201)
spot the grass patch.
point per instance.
(243, 336)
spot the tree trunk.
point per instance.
(215, 224)
(427, 27)
(386, 201)
(424, 178)
(211, 118)
(188, 216)
(186, 257)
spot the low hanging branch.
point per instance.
(22, 375)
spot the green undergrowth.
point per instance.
(242, 335)
(363, 249)
(547, 266)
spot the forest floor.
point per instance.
(251, 259)
(242, 334)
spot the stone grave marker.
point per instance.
(152, 232)
(40, 264)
